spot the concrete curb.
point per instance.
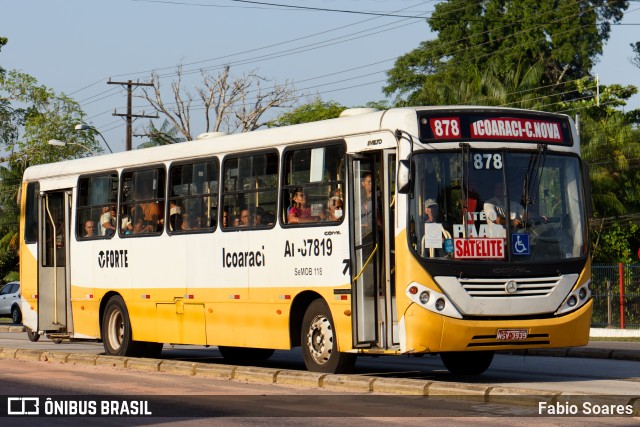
(472, 392)
(178, 367)
(219, 372)
(255, 374)
(401, 386)
(12, 328)
(348, 383)
(300, 378)
(358, 383)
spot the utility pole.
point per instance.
(129, 115)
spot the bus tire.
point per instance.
(245, 354)
(33, 336)
(467, 362)
(319, 342)
(117, 337)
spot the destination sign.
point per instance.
(495, 127)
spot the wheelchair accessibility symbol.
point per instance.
(520, 244)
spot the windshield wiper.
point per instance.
(466, 160)
(534, 176)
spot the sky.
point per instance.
(76, 46)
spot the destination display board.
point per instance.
(494, 127)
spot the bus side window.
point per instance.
(94, 194)
(142, 202)
(31, 220)
(193, 196)
(250, 193)
(313, 176)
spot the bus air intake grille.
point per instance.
(510, 288)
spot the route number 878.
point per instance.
(487, 161)
(445, 127)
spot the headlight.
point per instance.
(424, 297)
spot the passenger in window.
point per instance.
(225, 218)
(334, 209)
(186, 223)
(258, 218)
(336, 192)
(139, 227)
(152, 215)
(107, 223)
(366, 203)
(269, 218)
(126, 223)
(89, 229)
(235, 221)
(150, 211)
(299, 212)
(175, 216)
(246, 219)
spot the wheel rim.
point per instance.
(320, 340)
(116, 329)
(15, 317)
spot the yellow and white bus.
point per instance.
(450, 230)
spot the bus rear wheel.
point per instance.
(467, 362)
(244, 354)
(116, 330)
(319, 342)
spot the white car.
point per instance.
(10, 301)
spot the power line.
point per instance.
(327, 43)
(282, 6)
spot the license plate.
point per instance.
(512, 334)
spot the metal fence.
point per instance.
(616, 296)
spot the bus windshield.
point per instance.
(497, 206)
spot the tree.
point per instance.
(10, 178)
(34, 115)
(636, 49)
(3, 41)
(30, 115)
(311, 112)
(229, 104)
(167, 134)
(610, 145)
(505, 35)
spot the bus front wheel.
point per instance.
(467, 362)
(319, 343)
(116, 329)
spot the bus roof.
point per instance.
(267, 138)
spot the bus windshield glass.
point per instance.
(496, 205)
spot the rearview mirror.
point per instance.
(404, 177)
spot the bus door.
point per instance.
(370, 273)
(54, 231)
